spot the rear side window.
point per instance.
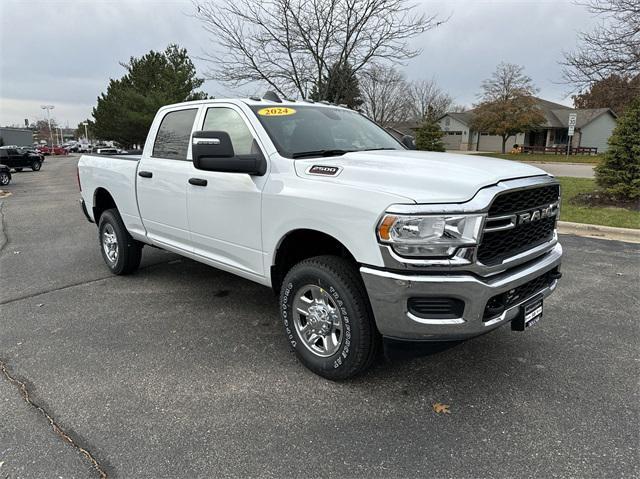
(230, 121)
(172, 140)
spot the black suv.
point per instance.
(18, 159)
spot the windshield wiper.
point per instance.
(305, 154)
(377, 149)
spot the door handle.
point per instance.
(197, 182)
(145, 174)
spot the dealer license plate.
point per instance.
(530, 314)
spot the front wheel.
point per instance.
(35, 166)
(5, 179)
(327, 317)
(119, 250)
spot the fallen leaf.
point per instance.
(440, 408)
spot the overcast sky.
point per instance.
(63, 52)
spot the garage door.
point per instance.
(452, 140)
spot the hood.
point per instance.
(420, 176)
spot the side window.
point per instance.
(172, 139)
(230, 121)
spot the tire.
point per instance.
(5, 179)
(347, 339)
(36, 165)
(18, 169)
(120, 251)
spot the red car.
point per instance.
(56, 150)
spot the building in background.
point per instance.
(16, 136)
(593, 129)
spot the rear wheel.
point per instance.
(5, 179)
(327, 317)
(119, 250)
(35, 166)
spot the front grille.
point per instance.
(436, 308)
(497, 246)
(520, 200)
(497, 304)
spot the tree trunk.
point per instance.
(504, 142)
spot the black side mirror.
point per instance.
(409, 142)
(213, 151)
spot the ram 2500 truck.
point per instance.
(361, 238)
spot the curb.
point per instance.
(596, 231)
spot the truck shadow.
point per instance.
(244, 315)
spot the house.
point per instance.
(593, 128)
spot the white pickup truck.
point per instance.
(362, 238)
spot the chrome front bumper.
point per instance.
(389, 293)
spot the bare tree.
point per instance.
(385, 94)
(507, 82)
(458, 108)
(611, 48)
(291, 45)
(429, 99)
(507, 105)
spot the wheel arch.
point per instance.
(102, 201)
(300, 244)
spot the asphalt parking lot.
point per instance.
(182, 370)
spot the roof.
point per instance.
(556, 114)
(254, 101)
(584, 116)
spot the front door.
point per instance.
(225, 213)
(162, 180)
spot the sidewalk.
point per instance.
(575, 170)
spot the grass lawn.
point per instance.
(606, 216)
(594, 159)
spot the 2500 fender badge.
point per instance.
(324, 170)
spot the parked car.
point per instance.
(31, 150)
(361, 237)
(107, 150)
(56, 150)
(5, 175)
(19, 159)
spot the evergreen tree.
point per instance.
(125, 112)
(429, 135)
(619, 172)
(339, 86)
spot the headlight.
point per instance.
(423, 236)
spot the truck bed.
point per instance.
(118, 174)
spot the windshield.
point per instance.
(303, 131)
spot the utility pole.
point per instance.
(49, 108)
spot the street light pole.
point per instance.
(49, 108)
(86, 135)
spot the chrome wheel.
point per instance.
(4, 179)
(110, 243)
(318, 320)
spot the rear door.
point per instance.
(14, 159)
(163, 174)
(225, 208)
